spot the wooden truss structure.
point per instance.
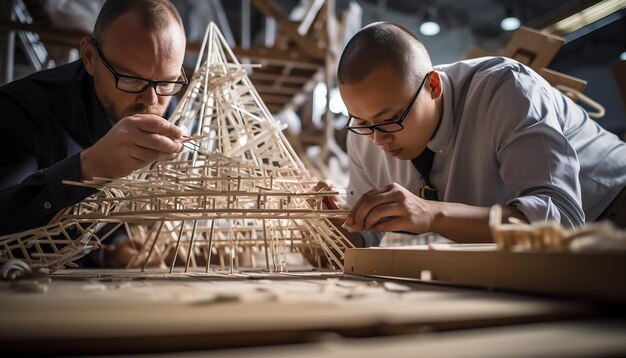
(238, 187)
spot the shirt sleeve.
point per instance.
(537, 163)
(359, 184)
(30, 196)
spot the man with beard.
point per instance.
(101, 116)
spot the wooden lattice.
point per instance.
(238, 186)
(551, 236)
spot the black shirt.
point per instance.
(48, 118)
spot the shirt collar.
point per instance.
(100, 124)
(439, 141)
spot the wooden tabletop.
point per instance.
(79, 311)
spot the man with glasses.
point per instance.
(101, 116)
(432, 148)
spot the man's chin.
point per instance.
(154, 112)
(405, 155)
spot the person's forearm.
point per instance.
(34, 200)
(468, 224)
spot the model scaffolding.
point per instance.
(238, 188)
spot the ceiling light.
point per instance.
(510, 23)
(623, 56)
(430, 27)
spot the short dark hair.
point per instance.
(155, 14)
(383, 44)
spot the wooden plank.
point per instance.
(263, 89)
(272, 55)
(590, 275)
(595, 338)
(557, 78)
(264, 76)
(89, 313)
(272, 9)
(292, 57)
(532, 47)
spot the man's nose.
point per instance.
(148, 97)
(380, 138)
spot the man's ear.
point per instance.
(435, 85)
(88, 54)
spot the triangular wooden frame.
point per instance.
(239, 186)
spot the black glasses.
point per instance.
(132, 84)
(387, 127)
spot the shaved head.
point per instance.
(156, 15)
(383, 44)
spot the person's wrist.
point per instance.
(437, 216)
(86, 167)
(100, 256)
(109, 256)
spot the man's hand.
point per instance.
(131, 144)
(392, 208)
(331, 202)
(124, 253)
(121, 254)
(334, 202)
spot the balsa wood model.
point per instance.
(239, 187)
